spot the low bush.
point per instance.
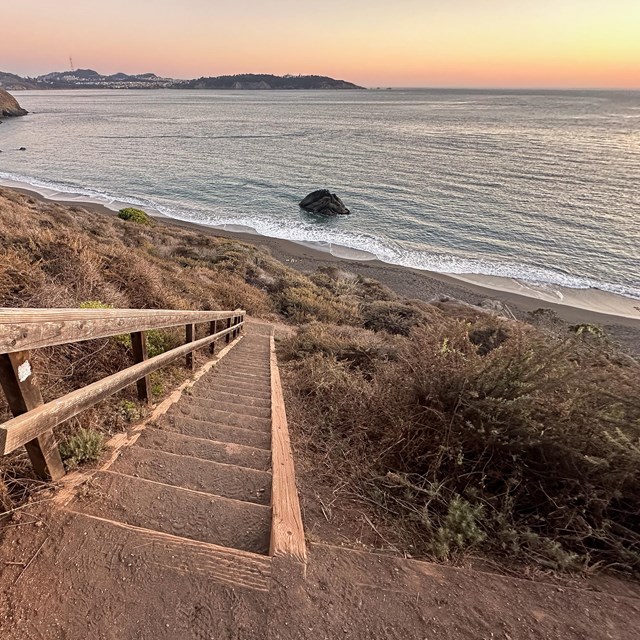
(84, 446)
(486, 435)
(134, 215)
(393, 317)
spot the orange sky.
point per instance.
(479, 43)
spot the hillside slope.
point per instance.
(458, 431)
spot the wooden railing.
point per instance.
(22, 330)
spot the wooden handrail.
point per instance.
(24, 329)
(18, 431)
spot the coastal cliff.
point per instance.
(9, 106)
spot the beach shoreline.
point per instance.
(607, 309)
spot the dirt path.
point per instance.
(91, 580)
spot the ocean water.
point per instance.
(542, 187)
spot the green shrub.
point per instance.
(130, 410)
(592, 329)
(84, 446)
(460, 530)
(134, 215)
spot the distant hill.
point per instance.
(90, 79)
(12, 82)
(268, 81)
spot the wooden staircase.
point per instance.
(198, 481)
(192, 527)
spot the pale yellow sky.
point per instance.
(494, 43)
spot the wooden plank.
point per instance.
(22, 429)
(228, 338)
(25, 329)
(287, 531)
(139, 345)
(11, 315)
(190, 336)
(23, 394)
(213, 327)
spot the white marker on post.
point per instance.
(24, 371)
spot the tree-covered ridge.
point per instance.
(269, 81)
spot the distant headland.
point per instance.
(90, 79)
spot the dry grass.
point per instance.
(478, 435)
(59, 256)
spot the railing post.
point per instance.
(227, 338)
(23, 394)
(213, 328)
(139, 345)
(190, 337)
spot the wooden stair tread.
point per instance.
(178, 512)
(219, 416)
(239, 407)
(233, 398)
(212, 391)
(186, 472)
(215, 451)
(219, 432)
(150, 548)
(261, 386)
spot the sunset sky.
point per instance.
(444, 43)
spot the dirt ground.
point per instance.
(63, 576)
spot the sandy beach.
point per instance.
(620, 316)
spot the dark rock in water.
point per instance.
(22, 149)
(325, 202)
(9, 106)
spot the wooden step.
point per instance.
(217, 432)
(243, 367)
(249, 360)
(171, 554)
(230, 418)
(261, 385)
(185, 472)
(215, 389)
(233, 382)
(240, 376)
(225, 452)
(239, 406)
(177, 512)
(235, 398)
(249, 374)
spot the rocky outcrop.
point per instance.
(324, 202)
(9, 106)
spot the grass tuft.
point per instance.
(83, 447)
